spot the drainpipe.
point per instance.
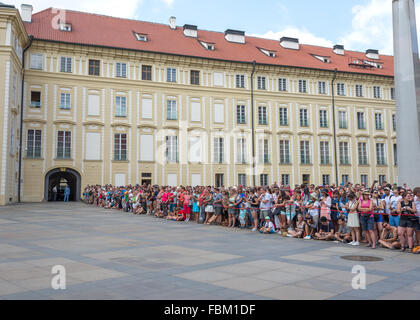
(31, 38)
(334, 127)
(253, 122)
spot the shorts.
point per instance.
(368, 222)
(334, 216)
(209, 209)
(394, 221)
(264, 213)
(219, 210)
(232, 210)
(408, 222)
(378, 218)
(187, 209)
(418, 226)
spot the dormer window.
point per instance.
(321, 58)
(271, 54)
(141, 37)
(208, 45)
(65, 27)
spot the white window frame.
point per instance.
(120, 106)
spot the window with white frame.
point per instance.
(342, 119)
(325, 152)
(120, 107)
(359, 90)
(380, 154)
(395, 155)
(304, 152)
(241, 179)
(344, 153)
(65, 102)
(240, 114)
(364, 179)
(341, 89)
(33, 144)
(219, 156)
(361, 121)
(171, 151)
(64, 145)
(393, 93)
(171, 75)
(378, 121)
(394, 122)
(304, 118)
(282, 84)
(283, 114)
(37, 61)
(120, 147)
(377, 92)
(302, 86)
(322, 87)
(363, 155)
(240, 81)
(285, 180)
(171, 112)
(121, 70)
(325, 179)
(323, 118)
(66, 64)
(195, 149)
(261, 81)
(284, 152)
(345, 178)
(382, 179)
(264, 180)
(241, 150)
(263, 151)
(35, 99)
(262, 115)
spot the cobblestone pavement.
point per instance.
(108, 254)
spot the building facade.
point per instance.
(116, 101)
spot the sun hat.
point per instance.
(267, 218)
(314, 195)
(366, 192)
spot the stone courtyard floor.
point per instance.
(112, 255)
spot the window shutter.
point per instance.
(146, 148)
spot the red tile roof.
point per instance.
(99, 30)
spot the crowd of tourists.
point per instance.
(381, 215)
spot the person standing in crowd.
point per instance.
(407, 210)
(67, 194)
(394, 219)
(365, 208)
(416, 193)
(353, 219)
(254, 203)
(378, 210)
(54, 190)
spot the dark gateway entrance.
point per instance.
(61, 177)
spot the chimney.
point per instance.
(372, 54)
(172, 23)
(235, 36)
(289, 43)
(339, 49)
(190, 31)
(26, 12)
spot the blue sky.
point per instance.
(357, 24)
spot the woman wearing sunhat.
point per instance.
(353, 219)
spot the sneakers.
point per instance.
(356, 244)
(336, 241)
(255, 229)
(308, 238)
(289, 236)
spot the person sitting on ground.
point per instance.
(300, 228)
(268, 227)
(326, 231)
(310, 227)
(344, 232)
(389, 237)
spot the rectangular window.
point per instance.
(94, 67)
(304, 152)
(171, 75)
(341, 89)
(263, 151)
(220, 180)
(264, 180)
(195, 77)
(359, 90)
(262, 116)
(363, 156)
(364, 179)
(35, 99)
(344, 153)
(395, 155)
(240, 81)
(302, 86)
(37, 61)
(146, 73)
(284, 121)
(33, 145)
(120, 107)
(382, 179)
(195, 149)
(325, 179)
(361, 121)
(66, 64)
(342, 119)
(285, 180)
(120, 147)
(171, 149)
(325, 152)
(241, 151)
(345, 178)
(65, 101)
(380, 154)
(378, 121)
(121, 70)
(394, 122)
(322, 87)
(241, 179)
(377, 92)
(284, 152)
(171, 112)
(261, 83)
(393, 93)
(64, 145)
(323, 118)
(218, 150)
(240, 114)
(304, 118)
(282, 84)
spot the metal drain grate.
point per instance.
(362, 258)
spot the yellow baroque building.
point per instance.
(91, 99)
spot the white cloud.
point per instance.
(115, 8)
(303, 35)
(169, 3)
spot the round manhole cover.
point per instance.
(362, 258)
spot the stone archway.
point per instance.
(60, 177)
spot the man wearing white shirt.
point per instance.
(394, 218)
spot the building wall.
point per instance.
(217, 87)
